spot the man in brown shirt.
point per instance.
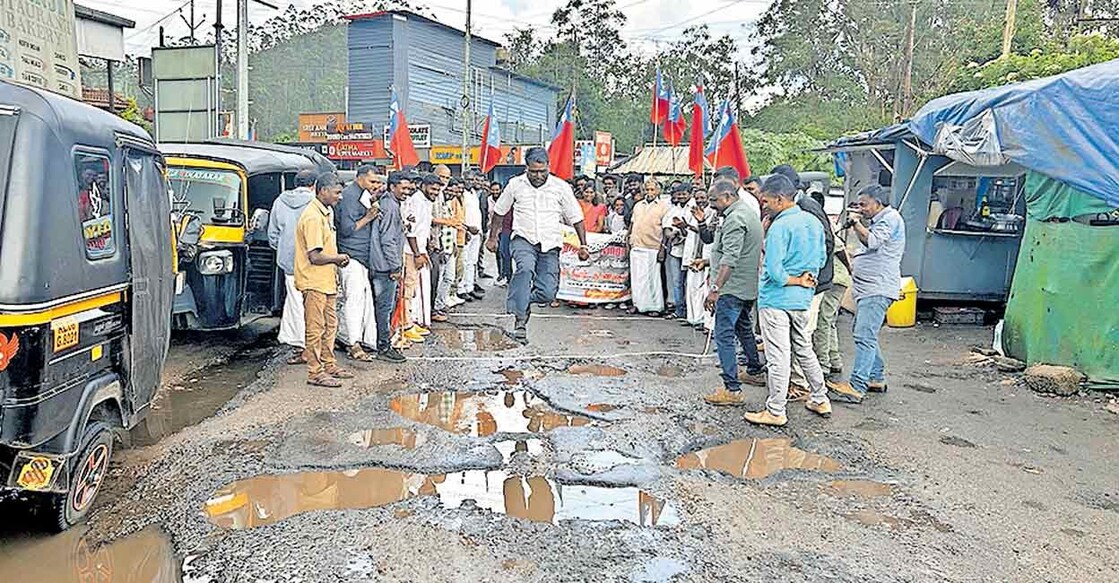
(646, 238)
(316, 276)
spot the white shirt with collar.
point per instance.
(539, 213)
(751, 202)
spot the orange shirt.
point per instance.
(459, 211)
(594, 216)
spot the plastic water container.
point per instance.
(903, 312)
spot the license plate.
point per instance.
(36, 474)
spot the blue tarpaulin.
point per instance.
(1065, 126)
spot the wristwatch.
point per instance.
(714, 288)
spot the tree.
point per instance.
(1055, 58)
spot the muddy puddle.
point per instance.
(669, 371)
(475, 339)
(603, 407)
(858, 489)
(598, 370)
(484, 414)
(268, 499)
(145, 556)
(754, 459)
(200, 395)
(402, 436)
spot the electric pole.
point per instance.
(243, 69)
(907, 87)
(467, 120)
(1008, 31)
(218, 30)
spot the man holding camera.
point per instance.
(876, 283)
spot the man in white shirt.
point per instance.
(473, 250)
(418, 232)
(541, 205)
(749, 188)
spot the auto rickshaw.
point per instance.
(86, 285)
(230, 187)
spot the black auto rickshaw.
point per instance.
(230, 186)
(86, 285)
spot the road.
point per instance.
(588, 455)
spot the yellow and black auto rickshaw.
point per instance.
(230, 186)
(86, 285)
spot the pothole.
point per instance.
(402, 436)
(670, 371)
(598, 370)
(269, 499)
(484, 414)
(754, 459)
(858, 489)
(200, 395)
(603, 407)
(146, 555)
(475, 339)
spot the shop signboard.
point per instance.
(313, 127)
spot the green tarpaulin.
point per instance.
(1064, 300)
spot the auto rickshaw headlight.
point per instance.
(215, 262)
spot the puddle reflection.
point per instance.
(484, 414)
(755, 459)
(146, 556)
(598, 370)
(268, 499)
(402, 436)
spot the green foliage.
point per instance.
(767, 150)
(133, 114)
(1055, 58)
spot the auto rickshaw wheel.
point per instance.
(90, 466)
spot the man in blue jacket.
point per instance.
(794, 256)
(386, 259)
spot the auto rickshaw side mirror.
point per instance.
(189, 236)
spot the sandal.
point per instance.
(324, 380)
(340, 373)
(297, 358)
(360, 355)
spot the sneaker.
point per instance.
(725, 398)
(391, 355)
(821, 409)
(454, 301)
(755, 371)
(412, 336)
(877, 387)
(843, 392)
(765, 418)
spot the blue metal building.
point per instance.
(422, 59)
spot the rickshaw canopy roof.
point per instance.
(253, 159)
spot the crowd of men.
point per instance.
(373, 265)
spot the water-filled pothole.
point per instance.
(598, 370)
(858, 489)
(484, 414)
(402, 436)
(268, 499)
(475, 339)
(756, 458)
(200, 395)
(146, 555)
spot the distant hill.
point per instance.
(306, 73)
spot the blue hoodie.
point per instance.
(281, 225)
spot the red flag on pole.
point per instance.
(660, 100)
(400, 140)
(725, 148)
(701, 126)
(561, 152)
(491, 143)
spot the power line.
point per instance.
(156, 23)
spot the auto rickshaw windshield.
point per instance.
(7, 139)
(214, 194)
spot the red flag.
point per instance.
(659, 112)
(400, 140)
(491, 144)
(726, 147)
(701, 126)
(561, 152)
(674, 125)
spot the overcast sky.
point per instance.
(650, 21)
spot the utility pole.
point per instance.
(907, 86)
(243, 69)
(191, 24)
(467, 119)
(737, 93)
(218, 29)
(1008, 31)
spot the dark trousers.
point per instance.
(384, 302)
(504, 256)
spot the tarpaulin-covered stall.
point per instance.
(1063, 129)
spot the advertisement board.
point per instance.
(421, 135)
(38, 45)
(452, 155)
(313, 126)
(603, 148)
(356, 150)
(602, 279)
